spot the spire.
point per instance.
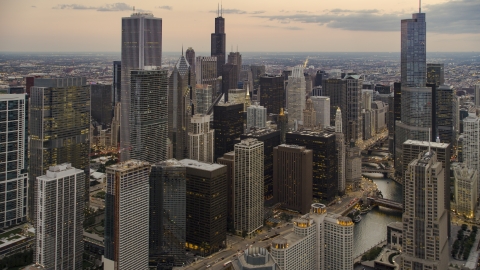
(218, 9)
(221, 9)
(182, 49)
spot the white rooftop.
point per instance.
(425, 143)
(190, 163)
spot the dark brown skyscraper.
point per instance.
(228, 125)
(292, 177)
(219, 42)
(272, 94)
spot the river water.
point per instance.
(372, 229)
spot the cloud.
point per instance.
(237, 11)
(165, 7)
(293, 28)
(34, 6)
(103, 8)
(454, 16)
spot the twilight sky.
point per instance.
(253, 25)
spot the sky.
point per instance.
(252, 25)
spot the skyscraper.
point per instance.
(101, 97)
(282, 125)
(340, 147)
(206, 70)
(127, 235)
(228, 159)
(235, 58)
(309, 116)
(13, 150)
(59, 206)
(167, 230)
(203, 94)
(59, 124)
(218, 41)
(141, 47)
(201, 139)
(116, 125)
(229, 78)
(206, 206)
(466, 186)
(477, 94)
(180, 106)
(444, 114)
(272, 94)
(292, 177)
(148, 115)
(352, 108)
(228, 125)
(471, 142)
(256, 116)
(296, 96)
(435, 74)
(321, 104)
(425, 219)
(190, 56)
(117, 82)
(413, 51)
(248, 186)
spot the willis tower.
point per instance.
(219, 41)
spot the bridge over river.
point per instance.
(385, 203)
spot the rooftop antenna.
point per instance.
(182, 49)
(218, 9)
(221, 9)
(419, 6)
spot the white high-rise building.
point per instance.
(248, 186)
(466, 186)
(59, 206)
(321, 105)
(127, 216)
(256, 117)
(319, 241)
(296, 96)
(471, 142)
(13, 142)
(201, 138)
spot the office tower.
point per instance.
(190, 56)
(255, 258)
(116, 125)
(13, 150)
(204, 96)
(101, 97)
(282, 125)
(471, 142)
(466, 186)
(270, 139)
(117, 82)
(59, 124)
(477, 94)
(318, 241)
(149, 115)
(248, 186)
(382, 89)
(141, 47)
(228, 159)
(309, 115)
(340, 147)
(353, 168)
(218, 42)
(321, 104)
(292, 177)
(368, 124)
(127, 235)
(444, 114)
(228, 125)
(413, 51)
(206, 71)
(319, 77)
(296, 97)
(325, 160)
(180, 106)
(425, 219)
(237, 95)
(229, 78)
(201, 138)
(272, 94)
(351, 109)
(206, 206)
(59, 210)
(380, 116)
(167, 220)
(435, 74)
(256, 117)
(257, 72)
(334, 88)
(235, 58)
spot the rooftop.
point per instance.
(170, 163)
(190, 163)
(128, 165)
(426, 144)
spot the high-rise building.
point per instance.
(272, 93)
(257, 72)
(228, 125)
(352, 108)
(218, 42)
(127, 235)
(466, 186)
(167, 220)
(148, 114)
(116, 125)
(309, 116)
(101, 97)
(477, 94)
(235, 58)
(382, 89)
(256, 117)
(190, 56)
(59, 210)
(59, 124)
(206, 206)
(180, 107)
(13, 139)
(321, 104)
(204, 94)
(292, 177)
(425, 219)
(435, 74)
(325, 161)
(201, 139)
(471, 142)
(270, 139)
(141, 47)
(340, 147)
(282, 125)
(444, 114)
(413, 51)
(296, 97)
(117, 82)
(228, 160)
(339, 242)
(248, 185)
(229, 78)
(206, 71)
(353, 168)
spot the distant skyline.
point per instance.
(253, 26)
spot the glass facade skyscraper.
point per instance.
(413, 51)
